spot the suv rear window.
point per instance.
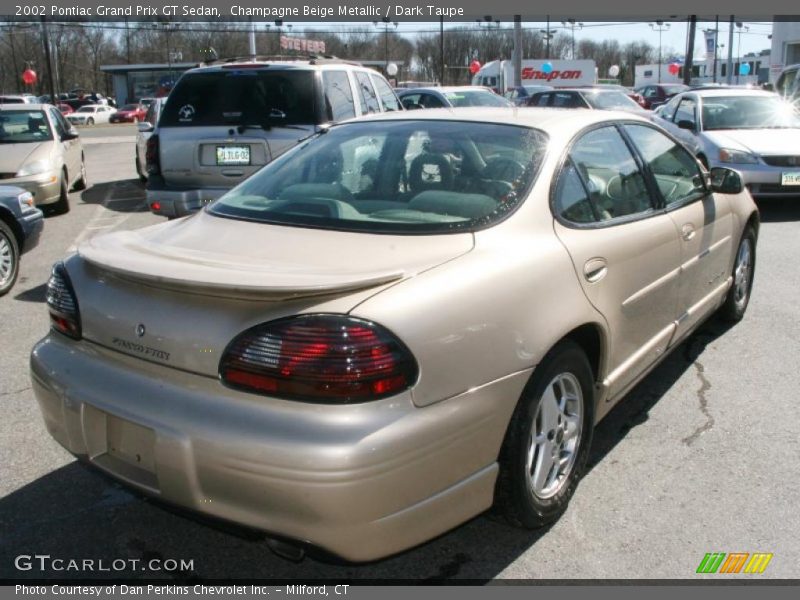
(241, 97)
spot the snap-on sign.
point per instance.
(531, 73)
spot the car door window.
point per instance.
(565, 100)
(650, 92)
(668, 111)
(687, 111)
(430, 101)
(676, 172)
(616, 186)
(388, 99)
(339, 103)
(61, 128)
(369, 101)
(544, 99)
(572, 201)
(150, 117)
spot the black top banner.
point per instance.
(402, 10)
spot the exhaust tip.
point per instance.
(286, 550)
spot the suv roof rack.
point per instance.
(314, 59)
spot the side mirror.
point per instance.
(70, 134)
(726, 181)
(686, 124)
(144, 127)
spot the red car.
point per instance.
(65, 109)
(130, 113)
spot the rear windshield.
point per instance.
(405, 176)
(241, 97)
(610, 101)
(474, 98)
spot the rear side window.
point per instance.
(616, 186)
(572, 201)
(338, 96)
(369, 101)
(388, 99)
(241, 97)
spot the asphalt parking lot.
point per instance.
(703, 456)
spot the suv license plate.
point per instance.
(790, 178)
(233, 155)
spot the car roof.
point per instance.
(26, 106)
(447, 88)
(284, 62)
(730, 91)
(559, 120)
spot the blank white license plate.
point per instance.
(790, 178)
(233, 155)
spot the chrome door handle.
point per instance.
(687, 232)
(595, 269)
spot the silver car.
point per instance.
(755, 132)
(42, 153)
(394, 325)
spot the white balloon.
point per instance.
(391, 69)
(613, 71)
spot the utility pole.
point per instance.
(252, 39)
(660, 27)
(716, 46)
(688, 64)
(729, 69)
(46, 43)
(441, 50)
(517, 50)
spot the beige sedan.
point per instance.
(41, 153)
(395, 325)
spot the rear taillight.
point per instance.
(62, 303)
(319, 358)
(151, 156)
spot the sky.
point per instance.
(753, 40)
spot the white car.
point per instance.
(91, 114)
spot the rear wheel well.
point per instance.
(590, 338)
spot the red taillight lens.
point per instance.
(151, 156)
(62, 303)
(321, 358)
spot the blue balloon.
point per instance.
(744, 69)
(547, 68)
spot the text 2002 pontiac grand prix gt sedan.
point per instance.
(395, 325)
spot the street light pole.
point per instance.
(386, 23)
(740, 26)
(571, 24)
(660, 27)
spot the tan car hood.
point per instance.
(233, 258)
(14, 156)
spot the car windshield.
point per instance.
(409, 176)
(610, 101)
(474, 98)
(86, 109)
(748, 112)
(242, 97)
(24, 126)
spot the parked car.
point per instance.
(145, 130)
(129, 113)
(450, 97)
(42, 153)
(65, 109)
(224, 121)
(632, 94)
(755, 132)
(360, 354)
(21, 225)
(596, 98)
(655, 94)
(520, 94)
(90, 114)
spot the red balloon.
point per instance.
(674, 68)
(29, 76)
(474, 67)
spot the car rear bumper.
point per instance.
(361, 481)
(171, 202)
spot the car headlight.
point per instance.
(34, 168)
(25, 200)
(728, 155)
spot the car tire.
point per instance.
(744, 266)
(139, 172)
(552, 425)
(9, 258)
(90, 121)
(62, 205)
(83, 181)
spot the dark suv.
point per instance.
(226, 120)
